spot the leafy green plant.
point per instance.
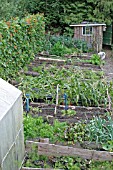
(59, 49)
(97, 165)
(100, 130)
(66, 44)
(68, 112)
(95, 59)
(108, 146)
(36, 127)
(67, 163)
(75, 133)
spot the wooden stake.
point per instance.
(56, 99)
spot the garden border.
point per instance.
(45, 148)
(81, 112)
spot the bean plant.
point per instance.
(19, 42)
(81, 87)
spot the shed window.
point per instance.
(87, 30)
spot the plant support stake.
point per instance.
(27, 102)
(65, 101)
(56, 98)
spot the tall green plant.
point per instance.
(92, 92)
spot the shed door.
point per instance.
(107, 36)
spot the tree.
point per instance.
(60, 14)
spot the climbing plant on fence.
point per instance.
(20, 40)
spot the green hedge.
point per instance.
(20, 40)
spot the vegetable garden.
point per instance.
(67, 99)
(71, 106)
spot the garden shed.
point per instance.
(92, 33)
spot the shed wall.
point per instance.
(95, 40)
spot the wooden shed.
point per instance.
(92, 33)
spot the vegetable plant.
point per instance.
(101, 131)
(66, 44)
(91, 92)
(36, 127)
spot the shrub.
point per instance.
(64, 43)
(60, 49)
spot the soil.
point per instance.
(61, 63)
(81, 113)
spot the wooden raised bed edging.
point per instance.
(59, 150)
(81, 55)
(27, 168)
(50, 59)
(66, 56)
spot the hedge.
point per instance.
(20, 40)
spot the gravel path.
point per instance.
(108, 66)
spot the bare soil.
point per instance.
(81, 112)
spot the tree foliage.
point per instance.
(60, 14)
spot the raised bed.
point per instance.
(62, 63)
(52, 151)
(51, 112)
(82, 113)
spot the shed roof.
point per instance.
(87, 24)
(8, 95)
